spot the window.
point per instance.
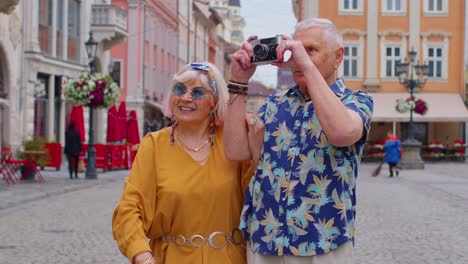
(350, 5)
(60, 26)
(435, 6)
(393, 6)
(392, 56)
(350, 61)
(73, 42)
(45, 25)
(41, 91)
(435, 59)
(116, 72)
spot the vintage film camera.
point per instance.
(265, 50)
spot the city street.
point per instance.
(419, 217)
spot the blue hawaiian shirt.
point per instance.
(302, 198)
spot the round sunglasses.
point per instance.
(197, 93)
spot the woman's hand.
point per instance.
(255, 135)
(241, 68)
(142, 257)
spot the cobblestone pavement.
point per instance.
(61, 220)
(417, 218)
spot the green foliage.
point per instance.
(35, 144)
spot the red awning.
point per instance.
(133, 135)
(112, 124)
(122, 121)
(77, 116)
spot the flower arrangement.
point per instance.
(96, 90)
(435, 144)
(419, 106)
(457, 143)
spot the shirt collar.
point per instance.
(338, 88)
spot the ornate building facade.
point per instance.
(379, 34)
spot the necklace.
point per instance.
(192, 148)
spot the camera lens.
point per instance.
(261, 51)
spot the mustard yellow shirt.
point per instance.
(168, 193)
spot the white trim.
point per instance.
(359, 45)
(443, 12)
(383, 61)
(350, 12)
(437, 45)
(384, 43)
(432, 44)
(401, 12)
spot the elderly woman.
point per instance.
(182, 193)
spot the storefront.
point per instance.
(444, 124)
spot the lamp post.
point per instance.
(412, 75)
(91, 47)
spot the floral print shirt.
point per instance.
(301, 200)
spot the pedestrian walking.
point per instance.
(183, 194)
(300, 206)
(72, 149)
(392, 148)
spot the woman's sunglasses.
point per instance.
(206, 69)
(197, 93)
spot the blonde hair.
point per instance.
(188, 74)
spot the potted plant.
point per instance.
(34, 150)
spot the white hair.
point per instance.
(333, 35)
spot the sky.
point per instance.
(267, 18)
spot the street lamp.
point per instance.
(412, 75)
(91, 47)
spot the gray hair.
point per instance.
(333, 35)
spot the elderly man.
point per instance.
(300, 205)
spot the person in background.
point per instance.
(301, 203)
(183, 194)
(72, 149)
(392, 148)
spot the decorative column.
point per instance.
(50, 108)
(62, 114)
(414, 23)
(372, 82)
(133, 58)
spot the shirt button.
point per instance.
(284, 198)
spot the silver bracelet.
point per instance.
(151, 260)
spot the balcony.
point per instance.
(109, 24)
(7, 6)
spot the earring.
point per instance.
(336, 67)
(212, 121)
(173, 125)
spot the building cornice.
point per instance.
(442, 34)
(388, 33)
(353, 32)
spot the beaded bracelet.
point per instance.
(238, 83)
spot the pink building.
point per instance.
(146, 60)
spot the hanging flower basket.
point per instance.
(96, 90)
(419, 106)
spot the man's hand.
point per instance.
(241, 68)
(299, 58)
